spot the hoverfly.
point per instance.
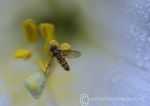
(35, 83)
(60, 55)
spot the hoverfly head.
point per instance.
(53, 47)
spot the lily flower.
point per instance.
(36, 82)
(113, 37)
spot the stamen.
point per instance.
(65, 46)
(30, 29)
(47, 30)
(47, 50)
(54, 42)
(23, 53)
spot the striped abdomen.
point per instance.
(62, 62)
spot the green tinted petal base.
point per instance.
(35, 84)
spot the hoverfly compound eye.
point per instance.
(53, 47)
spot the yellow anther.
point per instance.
(65, 46)
(47, 30)
(23, 53)
(30, 29)
(54, 42)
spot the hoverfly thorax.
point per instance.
(54, 50)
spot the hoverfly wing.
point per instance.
(71, 53)
(50, 67)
